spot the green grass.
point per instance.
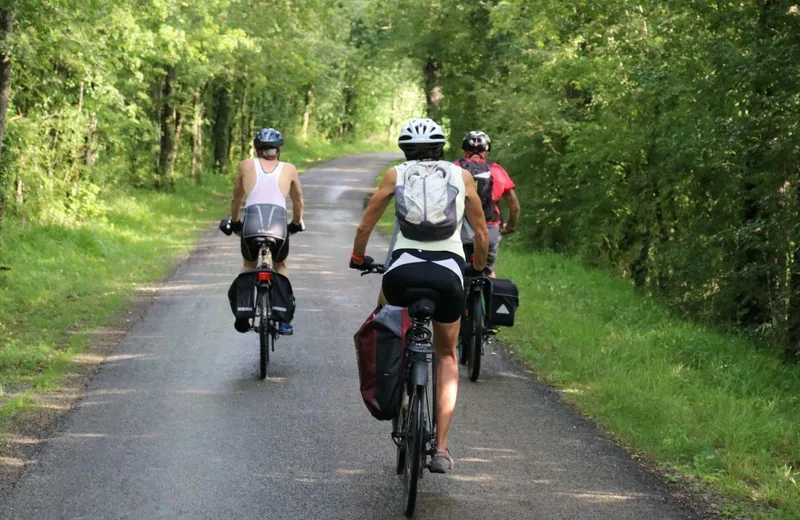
(704, 405)
(707, 407)
(66, 281)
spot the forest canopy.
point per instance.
(655, 139)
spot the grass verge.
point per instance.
(66, 281)
(709, 408)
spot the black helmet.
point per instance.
(476, 142)
(267, 138)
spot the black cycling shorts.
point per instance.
(427, 275)
(264, 220)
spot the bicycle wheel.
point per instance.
(464, 339)
(400, 425)
(415, 440)
(475, 346)
(263, 331)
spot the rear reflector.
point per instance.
(264, 276)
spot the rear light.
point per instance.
(264, 276)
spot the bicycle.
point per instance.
(414, 424)
(474, 333)
(262, 322)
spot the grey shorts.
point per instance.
(494, 243)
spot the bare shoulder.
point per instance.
(246, 166)
(290, 168)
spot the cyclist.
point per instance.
(429, 255)
(493, 184)
(263, 183)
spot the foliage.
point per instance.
(703, 404)
(64, 281)
(144, 92)
(656, 139)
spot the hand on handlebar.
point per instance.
(470, 271)
(365, 263)
(293, 228)
(228, 227)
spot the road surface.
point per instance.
(177, 424)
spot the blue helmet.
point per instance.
(267, 138)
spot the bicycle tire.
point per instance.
(464, 339)
(475, 346)
(263, 332)
(399, 425)
(415, 446)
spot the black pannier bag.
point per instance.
(503, 303)
(282, 298)
(242, 296)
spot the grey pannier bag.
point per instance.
(426, 200)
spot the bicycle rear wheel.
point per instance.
(400, 425)
(475, 345)
(415, 440)
(264, 336)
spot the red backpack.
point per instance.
(380, 351)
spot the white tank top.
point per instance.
(451, 244)
(267, 189)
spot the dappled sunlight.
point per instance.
(96, 359)
(14, 462)
(599, 497)
(10, 438)
(509, 375)
(112, 391)
(184, 287)
(472, 478)
(85, 435)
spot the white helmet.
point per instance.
(421, 131)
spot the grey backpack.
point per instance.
(426, 200)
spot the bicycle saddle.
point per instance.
(260, 240)
(421, 303)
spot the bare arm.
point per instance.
(377, 205)
(238, 194)
(513, 211)
(473, 211)
(296, 194)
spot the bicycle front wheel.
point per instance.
(415, 444)
(475, 345)
(464, 338)
(264, 336)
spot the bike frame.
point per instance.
(420, 355)
(265, 266)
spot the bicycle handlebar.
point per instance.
(375, 269)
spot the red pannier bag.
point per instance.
(380, 350)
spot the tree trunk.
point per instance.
(220, 127)
(6, 27)
(197, 138)
(348, 127)
(176, 143)
(307, 113)
(168, 121)
(433, 91)
(244, 126)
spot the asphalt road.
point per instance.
(177, 425)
